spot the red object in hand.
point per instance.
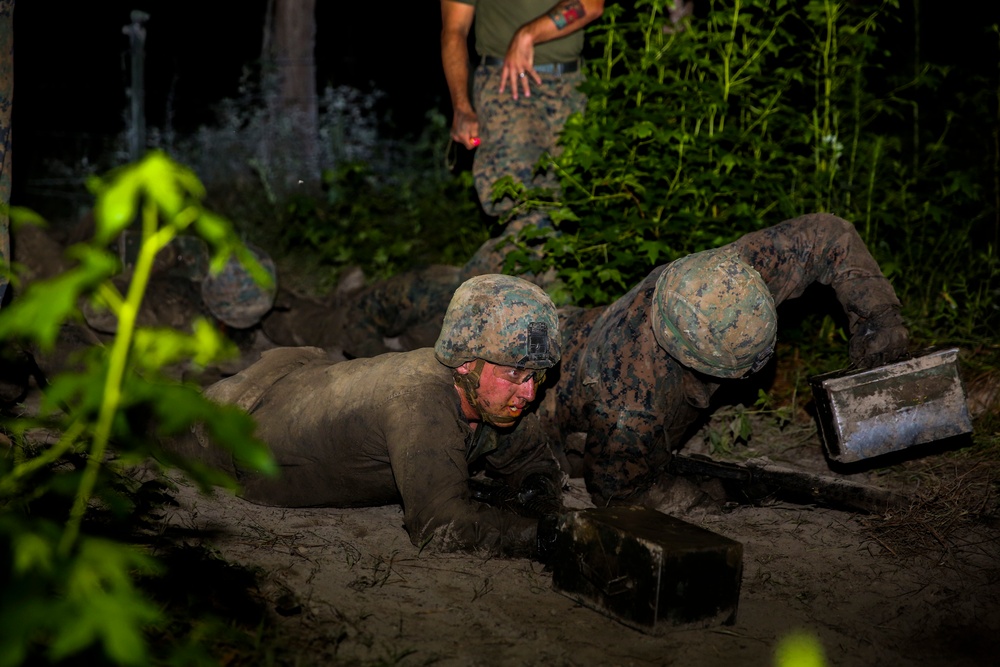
(475, 141)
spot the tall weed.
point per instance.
(70, 589)
(757, 111)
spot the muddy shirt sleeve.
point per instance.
(426, 443)
(822, 248)
(634, 397)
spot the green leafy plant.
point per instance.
(678, 126)
(738, 428)
(757, 111)
(384, 222)
(384, 226)
(68, 589)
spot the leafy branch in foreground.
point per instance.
(67, 590)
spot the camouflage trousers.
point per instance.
(515, 134)
(409, 307)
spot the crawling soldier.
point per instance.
(409, 427)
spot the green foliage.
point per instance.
(722, 439)
(799, 648)
(72, 600)
(385, 227)
(758, 111)
(66, 590)
(383, 220)
(683, 146)
(371, 196)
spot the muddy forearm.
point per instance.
(820, 248)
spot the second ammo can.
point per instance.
(646, 569)
(867, 413)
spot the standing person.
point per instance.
(409, 427)
(636, 375)
(524, 88)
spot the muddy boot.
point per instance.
(492, 255)
(17, 369)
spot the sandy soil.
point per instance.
(916, 586)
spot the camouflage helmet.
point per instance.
(502, 319)
(234, 297)
(714, 313)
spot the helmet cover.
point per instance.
(234, 297)
(502, 319)
(714, 313)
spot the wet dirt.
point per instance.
(915, 585)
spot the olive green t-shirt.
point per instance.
(496, 21)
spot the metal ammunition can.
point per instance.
(648, 570)
(866, 413)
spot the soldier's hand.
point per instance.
(539, 496)
(518, 65)
(878, 341)
(547, 536)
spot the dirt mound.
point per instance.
(915, 586)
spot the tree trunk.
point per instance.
(293, 56)
(6, 106)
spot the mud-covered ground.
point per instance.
(917, 585)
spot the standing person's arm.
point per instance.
(456, 22)
(565, 17)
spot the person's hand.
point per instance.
(465, 129)
(539, 495)
(518, 66)
(547, 537)
(880, 340)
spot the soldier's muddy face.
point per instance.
(505, 392)
(519, 375)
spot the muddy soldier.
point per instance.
(637, 374)
(524, 88)
(410, 427)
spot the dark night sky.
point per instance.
(71, 60)
(72, 64)
(68, 51)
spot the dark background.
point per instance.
(72, 66)
(72, 62)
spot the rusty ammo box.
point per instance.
(866, 413)
(648, 570)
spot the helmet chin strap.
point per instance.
(469, 384)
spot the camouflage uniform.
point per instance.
(515, 134)
(636, 403)
(6, 104)
(409, 306)
(233, 295)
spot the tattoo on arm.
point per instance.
(566, 12)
